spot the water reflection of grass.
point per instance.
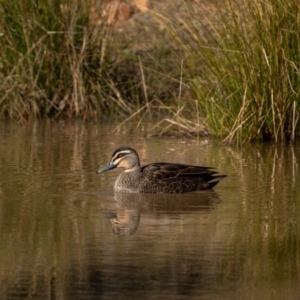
(227, 70)
(53, 240)
(267, 231)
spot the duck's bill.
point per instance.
(110, 166)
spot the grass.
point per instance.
(228, 71)
(56, 63)
(241, 62)
(243, 68)
(44, 57)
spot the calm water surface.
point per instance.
(64, 235)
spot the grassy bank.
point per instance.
(244, 68)
(230, 70)
(55, 62)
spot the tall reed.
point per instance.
(55, 62)
(243, 60)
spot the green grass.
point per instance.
(55, 62)
(243, 67)
(228, 70)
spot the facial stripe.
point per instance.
(115, 157)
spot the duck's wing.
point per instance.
(182, 178)
(168, 170)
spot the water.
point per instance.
(64, 235)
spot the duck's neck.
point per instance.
(133, 169)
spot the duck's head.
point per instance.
(123, 157)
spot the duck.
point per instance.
(160, 177)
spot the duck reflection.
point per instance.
(125, 220)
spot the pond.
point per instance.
(65, 235)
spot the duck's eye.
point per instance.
(120, 155)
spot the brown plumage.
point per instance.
(163, 178)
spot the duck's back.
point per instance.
(173, 178)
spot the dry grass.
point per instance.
(56, 62)
(243, 66)
(229, 70)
